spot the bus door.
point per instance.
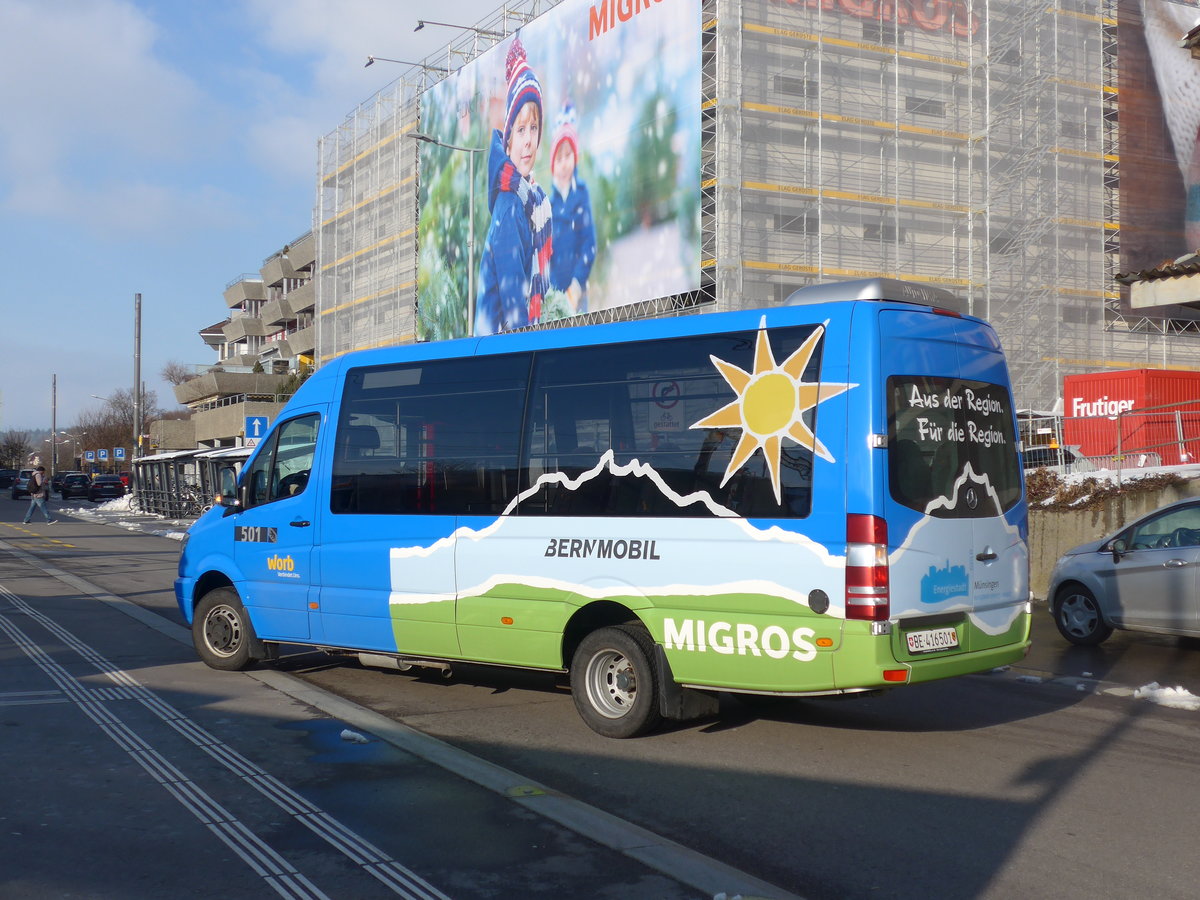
(423, 462)
(956, 506)
(274, 529)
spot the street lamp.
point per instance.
(429, 139)
(75, 438)
(421, 23)
(371, 60)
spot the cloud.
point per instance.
(80, 75)
(335, 40)
(124, 207)
(93, 127)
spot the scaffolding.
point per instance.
(975, 150)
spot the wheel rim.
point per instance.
(1079, 615)
(611, 684)
(223, 631)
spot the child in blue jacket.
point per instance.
(574, 230)
(514, 268)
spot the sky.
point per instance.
(165, 147)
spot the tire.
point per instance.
(614, 682)
(1077, 615)
(221, 631)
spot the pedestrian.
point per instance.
(574, 231)
(39, 492)
(514, 269)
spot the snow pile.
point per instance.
(1174, 697)
(1112, 478)
(119, 513)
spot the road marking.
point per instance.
(30, 698)
(654, 851)
(284, 878)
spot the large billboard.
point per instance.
(560, 171)
(1159, 120)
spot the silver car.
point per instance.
(1142, 578)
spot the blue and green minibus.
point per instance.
(819, 498)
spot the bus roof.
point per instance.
(879, 289)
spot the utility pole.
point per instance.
(53, 425)
(136, 449)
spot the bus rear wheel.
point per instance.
(614, 682)
(221, 632)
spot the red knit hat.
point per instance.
(523, 87)
(565, 125)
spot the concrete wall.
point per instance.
(1051, 532)
(172, 434)
(226, 422)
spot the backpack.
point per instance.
(37, 483)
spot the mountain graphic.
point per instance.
(713, 560)
(696, 555)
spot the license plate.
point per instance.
(932, 640)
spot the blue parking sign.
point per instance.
(103, 455)
(89, 455)
(118, 452)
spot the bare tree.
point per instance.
(112, 425)
(176, 373)
(14, 448)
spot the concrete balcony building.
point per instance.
(278, 311)
(277, 268)
(303, 341)
(242, 289)
(265, 344)
(240, 328)
(304, 298)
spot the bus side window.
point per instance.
(430, 438)
(640, 401)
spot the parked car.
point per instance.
(105, 487)
(7, 477)
(57, 480)
(75, 484)
(20, 487)
(1141, 578)
(124, 476)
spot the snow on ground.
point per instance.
(1174, 697)
(118, 512)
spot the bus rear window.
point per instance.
(947, 436)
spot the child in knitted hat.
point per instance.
(574, 231)
(514, 269)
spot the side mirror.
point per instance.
(1118, 548)
(229, 490)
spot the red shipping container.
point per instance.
(1133, 412)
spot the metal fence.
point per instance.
(1133, 439)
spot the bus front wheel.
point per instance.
(221, 632)
(614, 683)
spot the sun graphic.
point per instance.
(770, 404)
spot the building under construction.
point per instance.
(975, 146)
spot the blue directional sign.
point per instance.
(256, 429)
(118, 452)
(89, 455)
(103, 455)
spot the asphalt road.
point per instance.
(1048, 779)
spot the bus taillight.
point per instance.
(866, 568)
